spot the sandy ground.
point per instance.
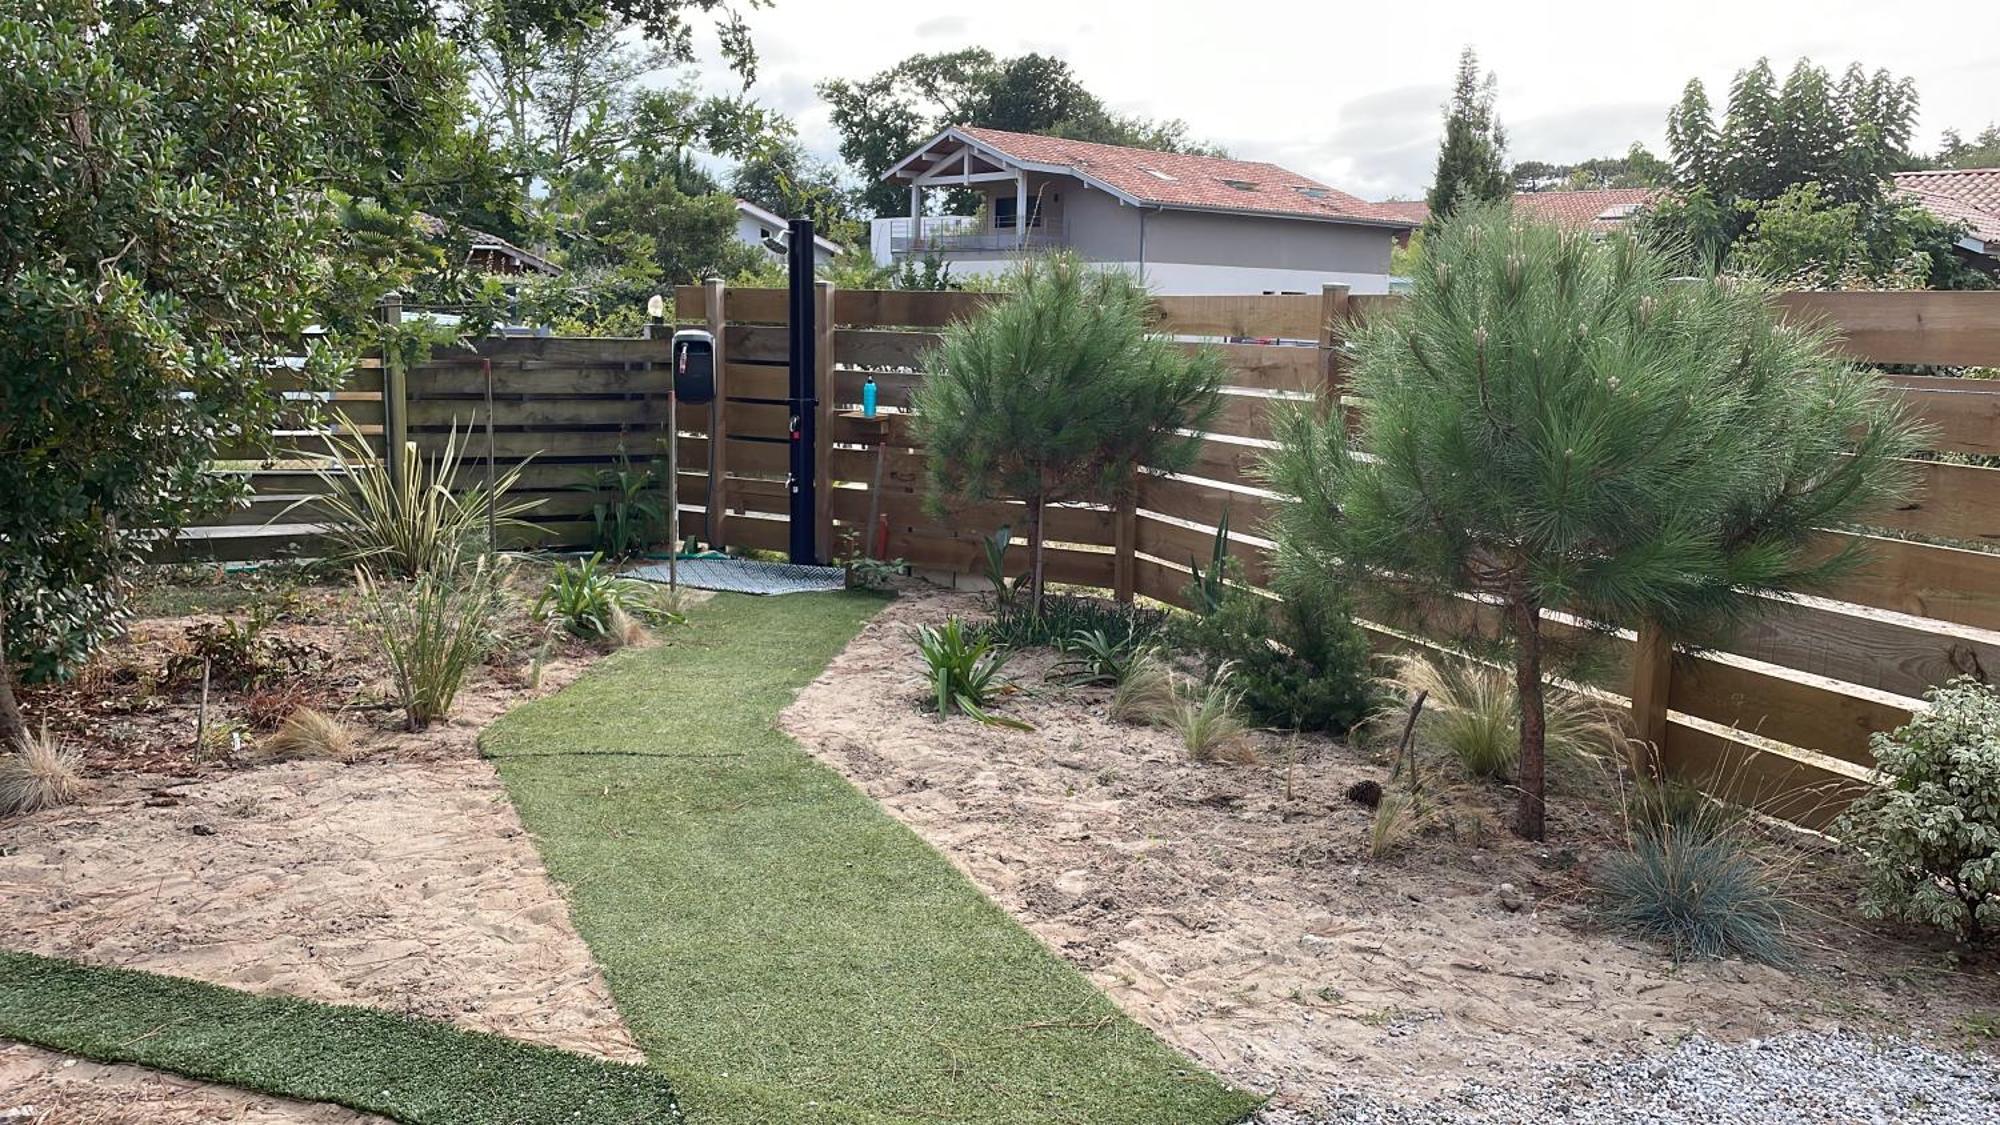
(1233, 909)
(402, 881)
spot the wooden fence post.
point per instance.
(718, 422)
(1333, 315)
(395, 389)
(823, 424)
(1125, 540)
(1652, 683)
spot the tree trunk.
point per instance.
(1035, 554)
(1528, 815)
(13, 728)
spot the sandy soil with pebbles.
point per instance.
(1233, 909)
(402, 881)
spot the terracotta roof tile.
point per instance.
(1969, 195)
(1600, 209)
(1173, 179)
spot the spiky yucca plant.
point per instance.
(422, 520)
(1058, 392)
(1554, 420)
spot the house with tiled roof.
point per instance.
(1965, 195)
(1186, 224)
(1598, 209)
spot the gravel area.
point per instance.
(1798, 1078)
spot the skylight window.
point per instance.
(1157, 174)
(1620, 211)
(1310, 192)
(1241, 185)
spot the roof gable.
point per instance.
(1162, 179)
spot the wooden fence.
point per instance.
(1780, 713)
(1782, 710)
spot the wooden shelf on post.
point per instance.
(876, 427)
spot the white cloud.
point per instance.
(1351, 94)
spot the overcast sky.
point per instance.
(1350, 94)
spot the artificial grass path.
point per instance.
(412, 1070)
(780, 946)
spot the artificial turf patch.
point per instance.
(411, 1070)
(778, 944)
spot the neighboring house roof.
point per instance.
(1598, 209)
(1414, 211)
(491, 244)
(772, 219)
(1967, 195)
(1146, 178)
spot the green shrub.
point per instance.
(1700, 895)
(1301, 663)
(964, 671)
(433, 629)
(1931, 835)
(423, 521)
(627, 516)
(596, 604)
(1063, 616)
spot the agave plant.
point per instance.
(595, 603)
(415, 521)
(1095, 658)
(964, 672)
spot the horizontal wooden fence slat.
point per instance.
(579, 350)
(1232, 462)
(469, 381)
(1789, 788)
(1947, 583)
(1965, 421)
(747, 344)
(755, 380)
(1788, 708)
(541, 414)
(1199, 502)
(1265, 367)
(877, 347)
(902, 308)
(1951, 502)
(1862, 647)
(1172, 541)
(1283, 316)
(1913, 327)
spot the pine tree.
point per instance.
(1472, 158)
(1692, 139)
(1559, 422)
(1056, 392)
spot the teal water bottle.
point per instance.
(868, 398)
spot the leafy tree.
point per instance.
(1692, 140)
(785, 179)
(165, 231)
(1055, 392)
(1556, 421)
(882, 117)
(1472, 158)
(1800, 240)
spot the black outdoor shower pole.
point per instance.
(803, 397)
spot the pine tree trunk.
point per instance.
(13, 728)
(1035, 554)
(1528, 815)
